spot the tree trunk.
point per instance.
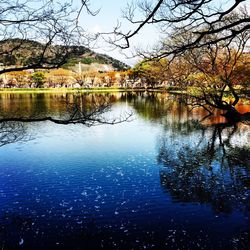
(232, 115)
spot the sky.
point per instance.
(106, 20)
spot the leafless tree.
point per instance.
(209, 35)
(189, 175)
(12, 132)
(200, 19)
(215, 70)
(46, 32)
(78, 111)
(42, 35)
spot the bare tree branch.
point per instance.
(50, 28)
(199, 18)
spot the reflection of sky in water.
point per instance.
(103, 187)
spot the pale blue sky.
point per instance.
(106, 20)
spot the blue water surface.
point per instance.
(151, 183)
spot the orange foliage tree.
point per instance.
(218, 71)
(17, 79)
(59, 77)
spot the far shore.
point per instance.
(75, 90)
(171, 90)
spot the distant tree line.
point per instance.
(58, 78)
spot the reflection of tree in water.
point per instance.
(162, 107)
(149, 105)
(12, 132)
(201, 164)
(207, 165)
(85, 109)
(19, 111)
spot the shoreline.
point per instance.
(170, 90)
(75, 90)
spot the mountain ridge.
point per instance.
(25, 52)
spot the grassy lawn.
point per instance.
(65, 90)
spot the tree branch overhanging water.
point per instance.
(77, 113)
(98, 112)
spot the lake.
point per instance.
(163, 180)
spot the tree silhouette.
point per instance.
(199, 18)
(207, 166)
(214, 75)
(210, 37)
(87, 110)
(46, 32)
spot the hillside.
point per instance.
(25, 52)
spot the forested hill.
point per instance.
(25, 52)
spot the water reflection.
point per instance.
(207, 165)
(44, 104)
(88, 110)
(162, 181)
(18, 111)
(13, 132)
(203, 163)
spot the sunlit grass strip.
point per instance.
(68, 90)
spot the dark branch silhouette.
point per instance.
(77, 112)
(190, 173)
(218, 65)
(76, 109)
(47, 32)
(199, 18)
(12, 132)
